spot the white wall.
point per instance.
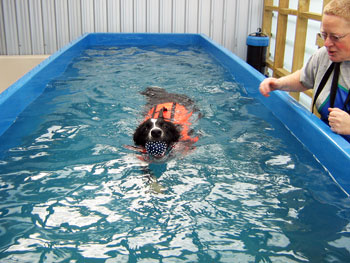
(42, 26)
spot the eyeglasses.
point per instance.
(333, 38)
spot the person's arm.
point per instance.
(288, 83)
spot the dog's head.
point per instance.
(157, 136)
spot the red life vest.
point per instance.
(175, 113)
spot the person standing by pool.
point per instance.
(327, 71)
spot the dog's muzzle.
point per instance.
(156, 133)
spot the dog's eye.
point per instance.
(163, 125)
(145, 127)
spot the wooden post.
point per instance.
(300, 39)
(267, 23)
(282, 22)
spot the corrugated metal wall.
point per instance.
(43, 26)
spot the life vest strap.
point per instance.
(154, 113)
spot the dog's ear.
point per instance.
(175, 132)
(140, 134)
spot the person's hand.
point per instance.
(339, 121)
(268, 85)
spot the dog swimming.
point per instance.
(165, 131)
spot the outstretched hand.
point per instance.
(268, 85)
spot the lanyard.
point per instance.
(336, 67)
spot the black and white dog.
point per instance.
(166, 125)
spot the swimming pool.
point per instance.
(249, 192)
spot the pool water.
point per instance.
(249, 192)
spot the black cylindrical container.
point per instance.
(256, 54)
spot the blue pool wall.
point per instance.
(330, 149)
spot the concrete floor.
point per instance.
(14, 67)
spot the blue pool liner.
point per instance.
(332, 150)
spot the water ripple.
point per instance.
(249, 191)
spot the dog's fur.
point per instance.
(162, 129)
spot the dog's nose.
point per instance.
(156, 133)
